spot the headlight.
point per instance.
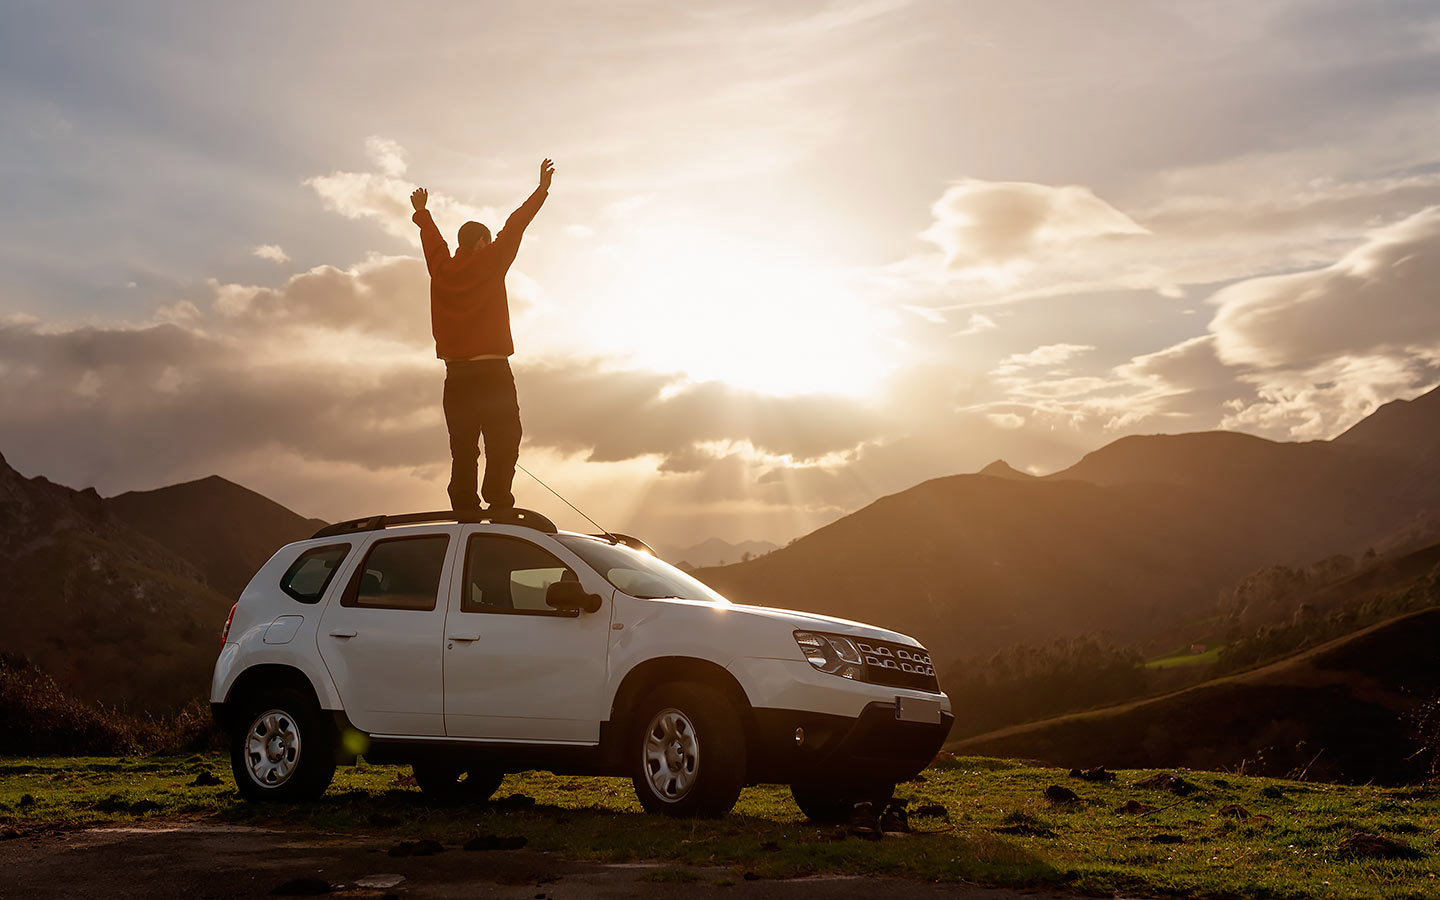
(831, 653)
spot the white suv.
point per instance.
(470, 646)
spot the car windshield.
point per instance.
(637, 574)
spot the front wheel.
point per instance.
(687, 751)
(830, 803)
(288, 751)
(454, 781)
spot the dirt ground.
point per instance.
(217, 861)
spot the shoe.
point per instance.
(863, 823)
(895, 820)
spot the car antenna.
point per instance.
(608, 536)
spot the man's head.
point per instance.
(473, 234)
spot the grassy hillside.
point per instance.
(989, 823)
(1337, 711)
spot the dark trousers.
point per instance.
(480, 400)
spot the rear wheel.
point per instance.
(287, 752)
(687, 751)
(455, 781)
(832, 802)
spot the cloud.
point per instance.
(1048, 355)
(384, 197)
(989, 225)
(1383, 296)
(387, 155)
(979, 322)
(273, 252)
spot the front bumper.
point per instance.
(875, 746)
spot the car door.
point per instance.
(382, 639)
(515, 669)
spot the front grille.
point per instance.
(898, 665)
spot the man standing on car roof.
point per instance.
(470, 317)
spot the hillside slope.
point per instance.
(1141, 536)
(112, 615)
(1337, 709)
(226, 531)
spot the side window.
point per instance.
(505, 574)
(310, 574)
(401, 573)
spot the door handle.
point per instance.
(467, 638)
(342, 634)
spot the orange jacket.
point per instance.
(469, 310)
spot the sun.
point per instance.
(720, 308)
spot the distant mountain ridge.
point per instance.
(1137, 537)
(715, 552)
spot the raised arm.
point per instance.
(508, 240)
(434, 246)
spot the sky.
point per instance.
(796, 256)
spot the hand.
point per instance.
(547, 171)
(419, 198)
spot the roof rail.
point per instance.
(524, 517)
(628, 540)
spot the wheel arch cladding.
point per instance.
(265, 678)
(652, 673)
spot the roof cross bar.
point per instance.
(526, 518)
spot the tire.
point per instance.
(830, 803)
(686, 745)
(453, 781)
(287, 752)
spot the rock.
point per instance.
(1260, 819)
(303, 887)
(1135, 808)
(751, 876)
(1234, 811)
(1167, 839)
(1272, 792)
(1096, 774)
(496, 842)
(27, 799)
(141, 807)
(205, 779)
(1164, 781)
(425, 847)
(932, 811)
(1057, 794)
(380, 882)
(1374, 846)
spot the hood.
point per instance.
(804, 621)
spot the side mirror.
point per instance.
(570, 595)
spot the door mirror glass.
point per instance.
(570, 595)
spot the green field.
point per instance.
(1001, 830)
(1185, 658)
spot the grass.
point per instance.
(1185, 658)
(1001, 830)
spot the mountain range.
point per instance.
(121, 599)
(1135, 540)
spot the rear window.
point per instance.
(310, 574)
